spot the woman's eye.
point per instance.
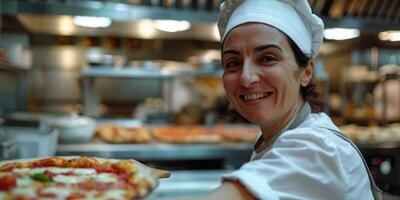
(232, 64)
(267, 59)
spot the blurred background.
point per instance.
(141, 79)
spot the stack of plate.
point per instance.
(8, 148)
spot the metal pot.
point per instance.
(72, 128)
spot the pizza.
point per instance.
(76, 178)
(118, 134)
(237, 133)
(185, 134)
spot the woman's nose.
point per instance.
(249, 74)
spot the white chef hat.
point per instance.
(293, 17)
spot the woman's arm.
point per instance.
(231, 190)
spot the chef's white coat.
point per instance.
(307, 162)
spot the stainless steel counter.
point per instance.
(187, 184)
(232, 154)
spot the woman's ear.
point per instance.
(307, 74)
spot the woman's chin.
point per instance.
(257, 119)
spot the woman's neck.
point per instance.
(270, 131)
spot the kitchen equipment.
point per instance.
(383, 160)
(73, 128)
(31, 142)
(8, 148)
(23, 119)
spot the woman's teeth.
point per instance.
(254, 96)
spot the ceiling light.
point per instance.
(146, 29)
(340, 33)
(172, 25)
(389, 36)
(65, 25)
(215, 33)
(92, 22)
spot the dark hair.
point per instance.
(310, 92)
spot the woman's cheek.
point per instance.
(228, 81)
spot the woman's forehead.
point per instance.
(254, 33)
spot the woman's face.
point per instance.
(261, 77)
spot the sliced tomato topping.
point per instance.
(76, 196)
(7, 182)
(48, 162)
(21, 197)
(48, 195)
(93, 185)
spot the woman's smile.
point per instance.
(255, 96)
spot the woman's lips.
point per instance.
(255, 96)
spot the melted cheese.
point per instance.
(67, 179)
(60, 192)
(24, 181)
(105, 178)
(2, 195)
(84, 171)
(37, 170)
(21, 170)
(55, 170)
(24, 191)
(114, 194)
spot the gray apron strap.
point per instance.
(301, 116)
(378, 194)
(260, 146)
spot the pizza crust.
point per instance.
(145, 177)
(157, 173)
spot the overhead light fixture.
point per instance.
(392, 35)
(146, 29)
(341, 33)
(65, 25)
(92, 22)
(172, 26)
(215, 32)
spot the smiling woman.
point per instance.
(268, 52)
(261, 76)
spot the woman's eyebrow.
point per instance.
(267, 46)
(230, 51)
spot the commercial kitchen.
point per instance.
(129, 79)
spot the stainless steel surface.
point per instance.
(114, 10)
(12, 87)
(33, 142)
(11, 68)
(151, 80)
(108, 72)
(159, 151)
(187, 184)
(8, 147)
(63, 25)
(54, 17)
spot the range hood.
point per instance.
(55, 16)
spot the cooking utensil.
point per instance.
(73, 128)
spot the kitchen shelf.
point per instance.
(109, 72)
(165, 151)
(8, 67)
(233, 154)
(91, 99)
(160, 151)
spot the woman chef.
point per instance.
(268, 50)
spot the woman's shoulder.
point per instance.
(319, 131)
